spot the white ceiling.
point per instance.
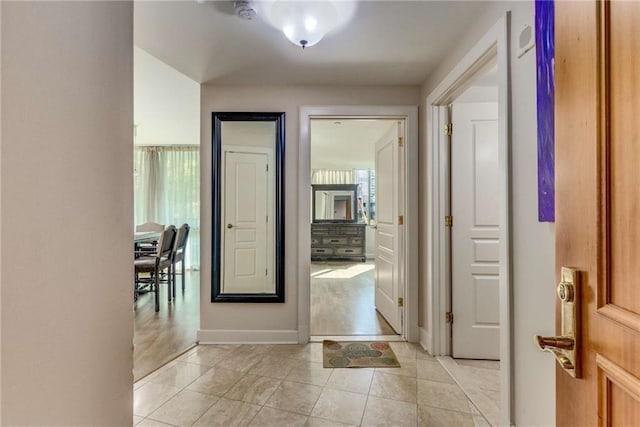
(166, 104)
(342, 144)
(386, 43)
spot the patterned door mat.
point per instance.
(358, 354)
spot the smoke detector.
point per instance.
(244, 9)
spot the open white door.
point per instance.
(245, 259)
(475, 232)
(389, 244)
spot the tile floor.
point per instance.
(286, 385)
(480, 381)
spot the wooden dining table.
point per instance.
(146, 236)
(140, 237)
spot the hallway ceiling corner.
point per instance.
(386, 43)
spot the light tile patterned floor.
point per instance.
(286, 385)
(480, 380)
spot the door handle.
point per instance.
(229, 225)
(565, 346)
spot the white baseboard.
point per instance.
(426, 340)
(232, 336)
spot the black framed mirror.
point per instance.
(247, 207)
(334, 202)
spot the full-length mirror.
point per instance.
(334, 203)
(248, 207)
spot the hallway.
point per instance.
(275, 385)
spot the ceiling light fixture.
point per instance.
(303, 22)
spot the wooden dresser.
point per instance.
(338, 241)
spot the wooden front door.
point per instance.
(598, 204)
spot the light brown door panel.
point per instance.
(597, 60)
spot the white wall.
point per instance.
(278, 320)
(66, 210)
(533, 255)
(166, 103)
(479, 94)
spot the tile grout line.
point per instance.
(366, 402)
(464, 391)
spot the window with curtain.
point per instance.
(167, 191)
(366, 180)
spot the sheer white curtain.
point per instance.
(326, 176)
(167, 190)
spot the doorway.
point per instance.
(474, 186)
(320, 273)
(166, 182)
(469, 281)
(354, 167)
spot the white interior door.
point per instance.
(245, 223)
(389, 199)
(475, 231)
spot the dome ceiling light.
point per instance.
(303, 22)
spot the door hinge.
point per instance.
(448, 129)
(267, 167)
(401, 220)
(401, 141)
(266, 271)
(448, 317)
(400, 302)
(448, 221)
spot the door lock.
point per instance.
(229, 226)
(565, 346)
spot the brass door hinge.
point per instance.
(401, 141)
(401, 220)
(400, 302)
(448, 317)
(448, 129)
(448, 221)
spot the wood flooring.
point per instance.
(343, 300)
(160, 337)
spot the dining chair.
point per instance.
(162, 260)
(178, 255)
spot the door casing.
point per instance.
(408, 113)
(492, 46)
